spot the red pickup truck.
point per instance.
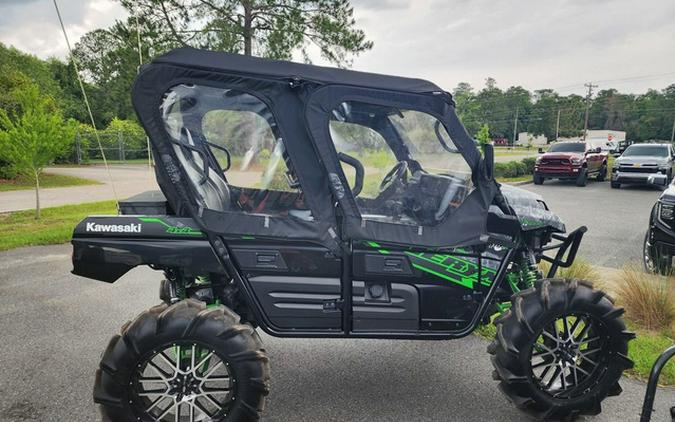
(571, 161)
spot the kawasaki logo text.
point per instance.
(113, 228)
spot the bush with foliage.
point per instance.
(649, 299)
(513, 169)
(529, 164)
(32, 137)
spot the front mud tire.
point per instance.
(582, 178)
(519, 339)
(538, 179)
(236, 348)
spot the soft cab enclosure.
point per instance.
(183, 97)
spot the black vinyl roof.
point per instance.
(284, 70)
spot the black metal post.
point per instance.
(648, 404)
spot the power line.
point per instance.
(86, 102)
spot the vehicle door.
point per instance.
(594, 157)
(237, 157)
(405, 188)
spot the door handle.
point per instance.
(266, 259)
(393, 264)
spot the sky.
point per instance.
(561, 44)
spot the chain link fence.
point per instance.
(119, 147)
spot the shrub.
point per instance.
(529, 164)
(580, 269)
(511, 169)
(500, 169)
(515, 168)
(520, 168)
(7, 171)
(647, 298)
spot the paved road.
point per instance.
(55, 325)
(129, 180)
(616, 219)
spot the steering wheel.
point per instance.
(395, 178)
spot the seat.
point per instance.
(214, 192)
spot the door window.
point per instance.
(412, 171)
(232, 138)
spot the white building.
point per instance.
(607, 140)
(527, 139)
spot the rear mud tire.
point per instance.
(615, 185)
(519, 329)
(236, 346)
(582, 178)
(602, 174)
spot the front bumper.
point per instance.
(661, 234)
(663, 240)
(558, 172)
(658, 179)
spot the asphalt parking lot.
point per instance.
(616, 218)
(55, 325)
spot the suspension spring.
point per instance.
(529, 269)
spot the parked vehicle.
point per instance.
(622, 146)
(659, 243)
(571, 161)
(319, 202)
(644, 164)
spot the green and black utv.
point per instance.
(319, 202)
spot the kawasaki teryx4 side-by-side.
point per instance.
(320, 202)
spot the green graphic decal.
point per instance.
(456, 269)
(184, 231)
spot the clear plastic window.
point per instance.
(228, 142)
(412, 173)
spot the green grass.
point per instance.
(47, 180)
(644, 351)
(20, 228)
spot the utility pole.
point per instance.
(515, 128)
(590, 87)
(557, 126)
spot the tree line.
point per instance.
(648, 116)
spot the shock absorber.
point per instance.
(529, 269)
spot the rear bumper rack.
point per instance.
(567, 243)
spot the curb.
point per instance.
(524, 182)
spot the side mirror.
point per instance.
(489, 160)
(598, 150)
(540, 150)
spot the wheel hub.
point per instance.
(566, 354)
(185, 383)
